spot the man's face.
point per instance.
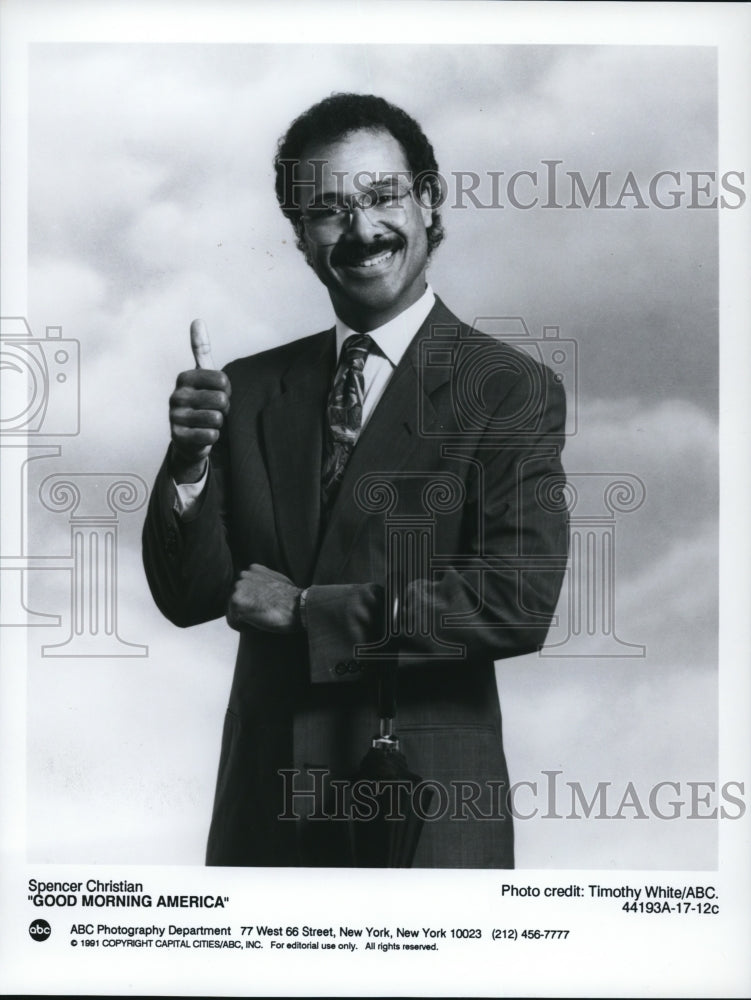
(372, 262)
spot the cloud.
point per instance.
(665, 552)
(614, 721)
(672, 447)
(150, 161)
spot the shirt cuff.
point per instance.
(187, 495)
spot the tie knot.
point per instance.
(356, 349)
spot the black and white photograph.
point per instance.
(375, 566)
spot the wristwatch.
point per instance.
(302, 612)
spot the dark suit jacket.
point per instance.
(467, 439)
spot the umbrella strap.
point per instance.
(387, 678)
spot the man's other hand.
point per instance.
(265, 599)
(197, 409)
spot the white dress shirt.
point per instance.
(392, 339)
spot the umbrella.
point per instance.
(387, 803)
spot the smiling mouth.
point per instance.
(361, 259)
(373, 261)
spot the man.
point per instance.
(424, 440)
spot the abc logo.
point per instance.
(39, 929)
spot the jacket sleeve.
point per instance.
(188, 561)
(494, 599)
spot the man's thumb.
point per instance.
(201, 345)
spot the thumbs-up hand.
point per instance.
(197, 409)
(201, 345)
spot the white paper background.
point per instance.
(150, 201)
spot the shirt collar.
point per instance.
(393, 338)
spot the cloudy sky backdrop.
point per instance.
(151, 202)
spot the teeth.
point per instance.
(372, 261)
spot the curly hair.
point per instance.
(339, 115)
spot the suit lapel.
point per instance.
(292, 427)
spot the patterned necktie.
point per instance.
(344, 413)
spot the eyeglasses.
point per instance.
(325, 221)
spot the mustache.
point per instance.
(354, 252)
